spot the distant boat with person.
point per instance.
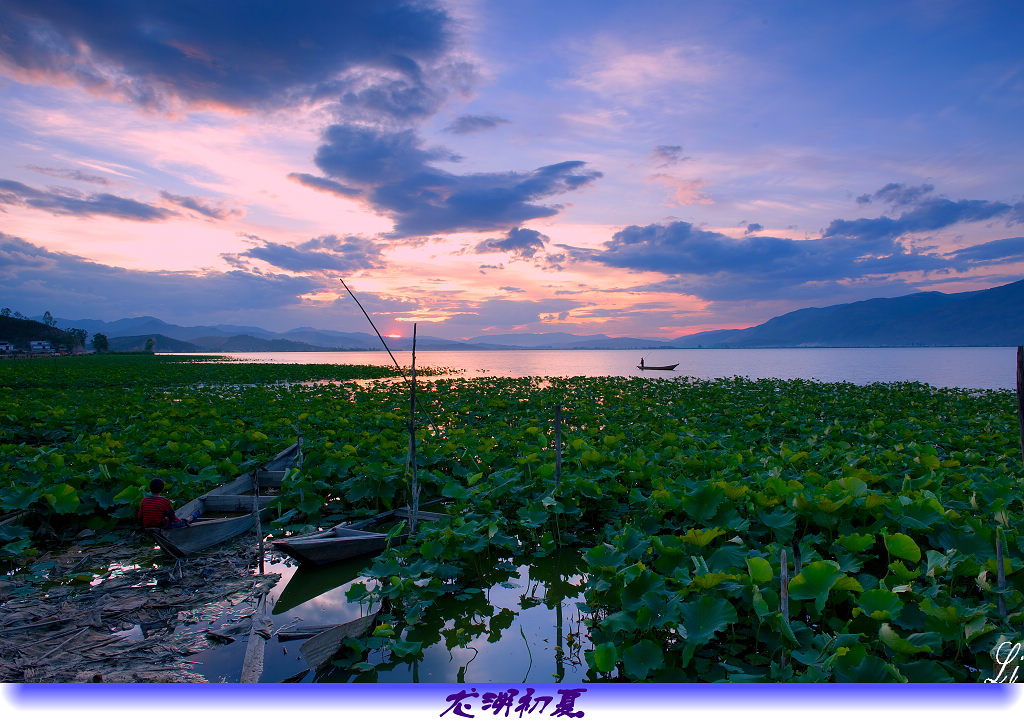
(644, 366)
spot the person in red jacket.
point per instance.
(155, 511)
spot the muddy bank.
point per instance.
(123, 613)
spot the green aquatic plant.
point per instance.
(678, 495)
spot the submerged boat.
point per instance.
(348, 540)
(653, 367)
(227, 511)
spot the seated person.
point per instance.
(155, 511)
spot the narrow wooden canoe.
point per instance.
(652, 367)
(235, 499)
(319, 649)
(347, 540)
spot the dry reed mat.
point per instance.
(139, 622)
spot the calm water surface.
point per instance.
(518, 626)
(966, 367)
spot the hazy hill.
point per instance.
(362, 341)
(248, 343)
(989, 317)
(150, 326)
(137, 343)
(20, 332)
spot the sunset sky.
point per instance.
(635, 169)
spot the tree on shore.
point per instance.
(48, 320)
(150, 344)
(79, 336)
(100, 343)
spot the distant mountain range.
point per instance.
(989, 317)
(985, 318)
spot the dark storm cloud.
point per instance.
(523, 243)
(668, 155)
(200, 206)
(897, 194)
(319, 183)
(70, 173)
(325, 253)
(716, 266)
(230, 52)
(927, 215)
(399, 179)
(35, 277)
(474, 124)
(1000, 251)
(72, 203)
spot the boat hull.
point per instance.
(347, 540)
(662, 367)
(229, 498)
(333, 545)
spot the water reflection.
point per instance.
(309, 583)
(966, 367)
(519, 622)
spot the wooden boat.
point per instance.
(227, 511)
(662, 367)
(348, 540)
(320, 648)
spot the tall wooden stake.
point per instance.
(784, 585)
(558, 445)
(784, 595)
(412, 439)
(256, 513)
(1020, 397)
(1000, 572)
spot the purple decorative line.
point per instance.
(427, 697)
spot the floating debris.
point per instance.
(135, 622)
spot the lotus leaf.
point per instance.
(642, 658)
(701, 537)
(902, 546)
(760, 570)
(814, 582)
(899, 644)
(879, 604)
(706, 616)
(856, 542)
(605, 656)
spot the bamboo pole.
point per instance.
(1000, 572)
(256, 513)
(784, 585)
(388, 349)
(558, 445)
(412, 440)
(1020, 397)
(784, 596)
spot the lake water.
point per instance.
(518, 626)
(965, 367)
